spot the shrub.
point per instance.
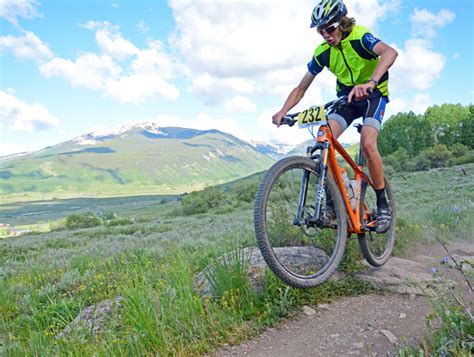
(203, 201)
(246, 193)
(467, 158)
(434, 157)
(388, 170)
(120, 222)
(82, 220)
(459, 150)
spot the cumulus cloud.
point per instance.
(249, 44)
(137, 88)
(21, 116)
(28, 46)
(282, 135)
(110, 40)
(240, 104)
(147, 75)
(9, 148)
(369, 12)
(417, 66)
(417, 104)
(89, 70)
(12, 9)
(212, 90)
(252, 40)
(425, 23)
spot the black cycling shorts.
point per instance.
(371, 110)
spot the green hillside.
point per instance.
(135, 162)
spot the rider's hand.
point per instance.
(277, 118)
(360, 91)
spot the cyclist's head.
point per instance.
(326, 12)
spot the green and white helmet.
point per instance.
(327, 11)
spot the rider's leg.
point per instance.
(368, 141)
(370, 130)
(337, 124)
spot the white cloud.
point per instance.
(151, 72)
(21, 116)
(251, 40)
(369, 12)
(279, 135)
(425, 23)
(89, 70)
(213, 90)
(240, 104)
(9, 148)
(416, 104)
(137, 88)
(143, 27)
(111, 41)
(146, 76)
(416, 67)
(12, 9)
(28, 46)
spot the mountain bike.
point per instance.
(304, 213)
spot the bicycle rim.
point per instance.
(299, 253)
(376, 248)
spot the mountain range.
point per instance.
(134, 158)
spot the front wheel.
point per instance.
(301, 252)
(376, 248)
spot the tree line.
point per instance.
(442, 136)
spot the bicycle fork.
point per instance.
(322, 169)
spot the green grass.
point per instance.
(47, 278)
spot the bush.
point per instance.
(459, 150)
(82, 220)
(246, 193)
(397, 160)
(120, 222)
(203, 201)
(467, 158)
(388, 170)
(434, 157)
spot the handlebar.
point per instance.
(329, 107)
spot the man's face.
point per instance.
(331, 33)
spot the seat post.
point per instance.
(359, 126)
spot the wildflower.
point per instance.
(445, 260)
(434, 270)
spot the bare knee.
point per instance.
(369, 148)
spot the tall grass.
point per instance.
(47, 279)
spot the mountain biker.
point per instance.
(360, 62)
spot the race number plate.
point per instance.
(312, 116)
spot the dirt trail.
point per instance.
(370, 325)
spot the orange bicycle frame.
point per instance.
(329, 158)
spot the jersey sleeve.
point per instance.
(369, 41)
(314, 67)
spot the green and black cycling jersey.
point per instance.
(352, 62)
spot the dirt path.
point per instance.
(371, 325)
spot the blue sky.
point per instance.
(68, 68)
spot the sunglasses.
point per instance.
(329, 30)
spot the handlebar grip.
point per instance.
(288, 120)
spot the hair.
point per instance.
(346, 24)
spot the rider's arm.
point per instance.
(387, 58)
(294, 97)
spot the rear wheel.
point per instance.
(376, 248)
(301, 253)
